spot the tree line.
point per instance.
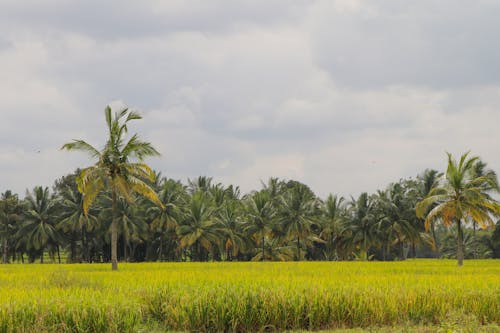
(203, 220)
(120, 209)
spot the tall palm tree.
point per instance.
(114, 170)
(462, 195)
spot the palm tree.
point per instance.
(259, 217)
(165, 220)
(73, 219)
(462, 195)
(395, 220)
(297, 212)
(332, 220)
(427, 181)
(10, 214)
(229, 218)
(38, 230)
(480, 169)
(361, 227)
(199, 230)
(114, 170)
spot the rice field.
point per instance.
(251, 297)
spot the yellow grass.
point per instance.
(216, 297)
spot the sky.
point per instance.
(345, 96)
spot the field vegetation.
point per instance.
(236, 297)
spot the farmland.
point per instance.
(246, 296)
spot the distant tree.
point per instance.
(199, 230)
(334, 215)
(10, 215)
(74, 221)
(361, 228)
(297, 212)
(38, 229)
(259, 217)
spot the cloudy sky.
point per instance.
(345, 96)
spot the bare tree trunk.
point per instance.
(460, 244)
(114, 234)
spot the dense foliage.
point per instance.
(205, 221)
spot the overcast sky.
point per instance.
(345, 96)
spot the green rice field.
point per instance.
(249, 297)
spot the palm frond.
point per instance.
(82, 146)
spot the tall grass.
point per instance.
(236, 297)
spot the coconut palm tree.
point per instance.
(75, 221)
(199, 230)
(114, 169)
(427, 181)
(38, 230)
(230, 220)
(298, 208)
(361, 228)
(332, 219)
(10, 214)
(259, 217)
(461, 196)
(165, 220)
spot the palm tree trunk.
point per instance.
(84, 245)
(125, 249)
(114, 234)
(298, 248)
(460, 244)
(263, 249)
(58, 254)
(434, 238)
(474, 244)
(5, 252)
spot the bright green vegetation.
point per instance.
(249, 297)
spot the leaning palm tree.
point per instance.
(462, 196)
(114, 170)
